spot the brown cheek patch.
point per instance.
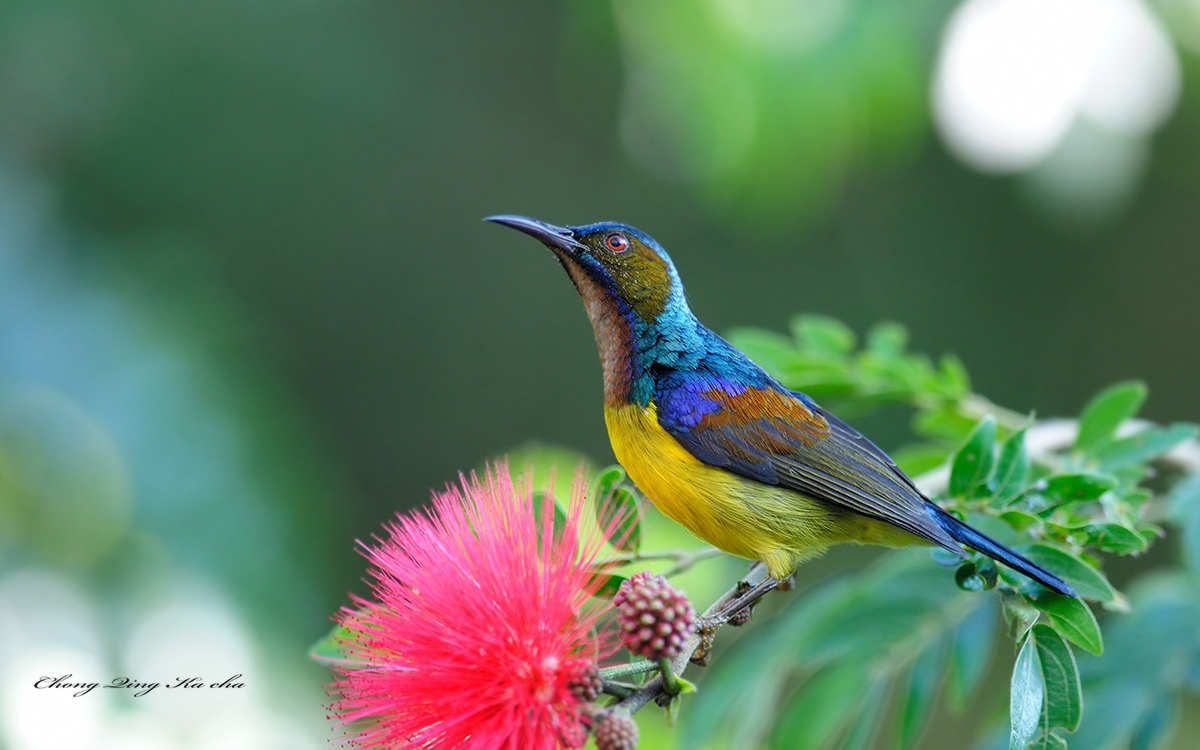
(764, 419)
(643, 279)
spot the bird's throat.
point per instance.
(636, 344)
(613, 324)
(613, 329)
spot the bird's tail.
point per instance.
(997, 551)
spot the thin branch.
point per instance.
(625, 670)
(978, 407)
(698, 643)
(687, 561)
(682, 559)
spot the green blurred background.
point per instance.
(248, 308)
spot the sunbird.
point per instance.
(717, 444)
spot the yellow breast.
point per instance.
(779, 526)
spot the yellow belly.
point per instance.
(781, 527)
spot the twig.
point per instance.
(978, 407)
(682, 559)
(687, 561)
(625, 670)
(701, 638)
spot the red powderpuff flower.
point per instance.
(480, 623)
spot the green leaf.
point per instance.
(540, 498)
(1116, 538)
(1070, 617)
(823, 335)
(973, 463)
(1105, 413)
(1026, 697)
(922, 690)
(1151, 532)
(887, 340)
(1020, 616)
(619, 515)
(676, 705)
(817, 376)
(1049, 741)
(985, 568)
(956, 382)
(611, 582)
(329, 647)
(822, 707)
(1131, 476)
(976, 576)
(943, 423)
(1060, 675)
(1020, 520)
(672, 711)
(332, 648)
(863, 728)
(1012, 469)
(966, 579)
(605, 481)
(1079, 487)
(970, 652)
(1087, 581)
(1143, 446)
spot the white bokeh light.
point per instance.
(1135, 81)
(193, 632)
(1014, 76)
(49, 629)
(184, 626)
(52, 718)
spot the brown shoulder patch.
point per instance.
(765, 419)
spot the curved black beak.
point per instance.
(555, 238)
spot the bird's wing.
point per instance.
(782, 438)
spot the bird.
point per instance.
(722, 447)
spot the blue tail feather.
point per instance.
(997, 551)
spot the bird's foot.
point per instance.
(744, 596)
(706, 629)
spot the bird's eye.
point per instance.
(616, 242)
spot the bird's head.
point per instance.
(610, 263)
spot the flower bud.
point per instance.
(587, 684)
(653, 617)
(616, 731)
